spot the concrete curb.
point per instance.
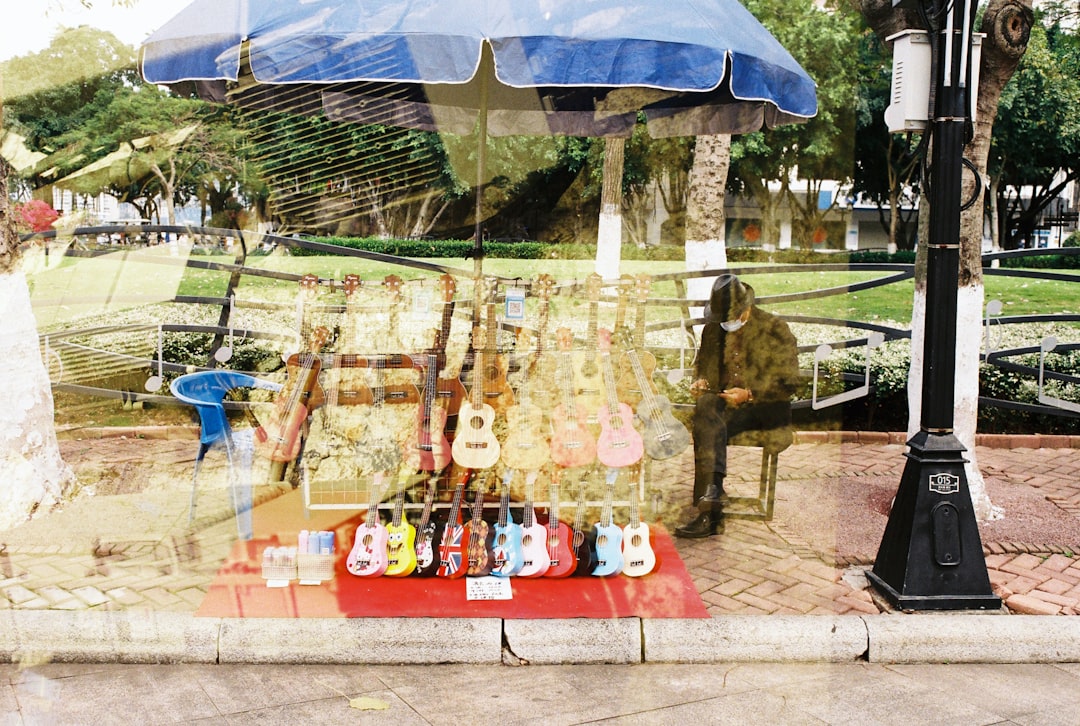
(34, 636)
(756, 638)
(361, 640)
(972, 638)
(121, 636)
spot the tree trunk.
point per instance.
(609, 235)
(705, 220)
(35, 475)
(1007, 24)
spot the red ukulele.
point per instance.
(560, 538)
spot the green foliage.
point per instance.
(1036, 137)
(54, 92)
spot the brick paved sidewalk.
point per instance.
(130, 546)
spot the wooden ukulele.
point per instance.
(541, 370)
(584, 543)
(638, 556)
(534, 553)
(475, 445)
(479, 537)
(632, 388)
(588, 378)
(572, 443)
(353, 391)
(609, 556)
(619, 444)
(664, 435)
(368, 557)
(497, 391)
(526, 447)
(400, 536)
(452, 550)
(442, 396)
(561, 560)
(279, 438)
(396, 392)
(428, 536)
(506, 548)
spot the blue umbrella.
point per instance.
(570, 67)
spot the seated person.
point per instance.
(747, 369)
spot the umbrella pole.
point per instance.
(481, 163)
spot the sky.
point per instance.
(29, 25)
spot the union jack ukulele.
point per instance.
(452, 549)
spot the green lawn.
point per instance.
(76, 287)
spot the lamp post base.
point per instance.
(931, 555)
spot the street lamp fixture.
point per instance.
(930, 557)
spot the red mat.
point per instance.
(239, 591)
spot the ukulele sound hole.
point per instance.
(477, 422)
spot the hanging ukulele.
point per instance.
(561, 561)
(525, 447)
(347, 390)
(534, 552)
(442, 396)
(497, 391)
(609, 556)
(400, 535)
(540, 371)
(588, 379)
(452, 549)
(279, 438)
(629, 384)
(428, 536)
(479, 537)
(379, 363)
(475, 445)
(619, 444)
(368, 557)
(664, 435)
(506, 548)
(572, 443)
(638, 556)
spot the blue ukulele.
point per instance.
(508, 557)
(609, 536)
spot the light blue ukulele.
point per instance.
(609, 536)
(507, 545)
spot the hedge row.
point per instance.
(532, 250)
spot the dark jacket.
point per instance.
(769, 364)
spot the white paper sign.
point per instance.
(488, 588)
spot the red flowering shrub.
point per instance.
(36, 215)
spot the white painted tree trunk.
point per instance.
(35, 476)
(609, 242)
(965, 416)
(609, 233)
(706, 243)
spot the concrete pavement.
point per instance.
(117, 576)
(747, 694)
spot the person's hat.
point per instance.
(730, 298)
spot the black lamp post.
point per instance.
(931, 556)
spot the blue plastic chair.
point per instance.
(205, 390)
